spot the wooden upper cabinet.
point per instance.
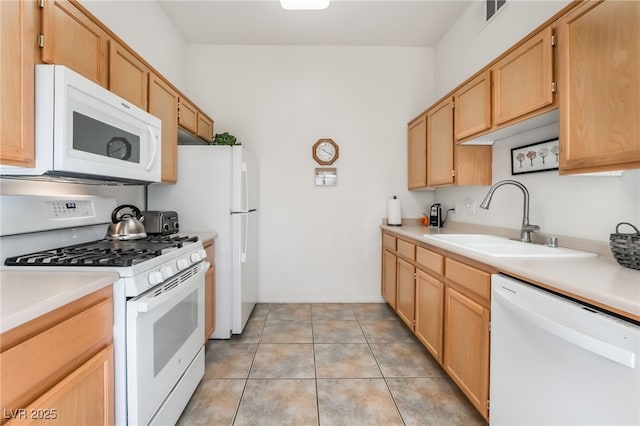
(440, 144)
(187, 116)
(472, 112)
(599, 46)
(128, 75)
(417, 153)
(474, 164)
(18, 42)
(522, 80)
(163, 103)
(72, 39)
(205, 127)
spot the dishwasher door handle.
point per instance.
(588, 343)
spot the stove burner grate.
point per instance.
(104, 252)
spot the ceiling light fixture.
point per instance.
(304, 4)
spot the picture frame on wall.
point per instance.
(536, 157)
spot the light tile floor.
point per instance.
(326, 364)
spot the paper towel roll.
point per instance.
(394, 215)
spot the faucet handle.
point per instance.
(531, 228)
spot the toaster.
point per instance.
(160, 222)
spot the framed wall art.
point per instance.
(536, 157)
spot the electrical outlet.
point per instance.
(471, 207)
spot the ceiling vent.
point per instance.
(493, 6)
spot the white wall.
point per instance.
(576, 206)
(319, 243)
(145, 27)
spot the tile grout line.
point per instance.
(384, 378)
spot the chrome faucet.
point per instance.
(527, 229)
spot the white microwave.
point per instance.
(84, 131)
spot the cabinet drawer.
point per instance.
(471, 278)
(67, 345)
(429, 260)
(389, 241)
(407, 249)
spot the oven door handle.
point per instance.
(149, 303)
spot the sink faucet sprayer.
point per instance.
(527, 229)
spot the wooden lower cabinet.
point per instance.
(389, 269)
(429, 307)
(466, 347)
(209, 292)
(446, 302)
(73, 401)
(58, 368)
(406, 292)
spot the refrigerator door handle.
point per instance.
(245, 186)
(245, 242)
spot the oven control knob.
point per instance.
(203, 253)
(182, 263)
(155, 277)
(195, 257)
(166, 271)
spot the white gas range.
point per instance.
(158, 300)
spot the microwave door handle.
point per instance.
(154, 147)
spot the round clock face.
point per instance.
(325, 151)
(119, 148)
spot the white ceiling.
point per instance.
(417, 23)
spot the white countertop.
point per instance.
(599, 281)
(26, 295)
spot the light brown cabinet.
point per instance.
(74, 375)
(163, 103)
(128, 75)
(429, 313)
(406, 293)
(195, 121)
(72, 39)
(187, 116)
(389, 271)
(599, 64)
(466, 330)
(446, 302)
(522, 80)
(209, 292)
(434, 158)
(440, 168)
(417, 153)
(466, 347)
(205, 127)
(472, 107)
(18, 42)
(76, 397)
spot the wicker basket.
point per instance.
(626, 247)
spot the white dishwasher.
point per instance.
(557, 362)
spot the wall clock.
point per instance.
(325, 152)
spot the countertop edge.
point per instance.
(572, 277)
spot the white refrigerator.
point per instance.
(217, 190)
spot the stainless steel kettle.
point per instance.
(128, 226)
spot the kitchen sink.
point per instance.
(493, 245)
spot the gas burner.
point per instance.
(104, 252)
